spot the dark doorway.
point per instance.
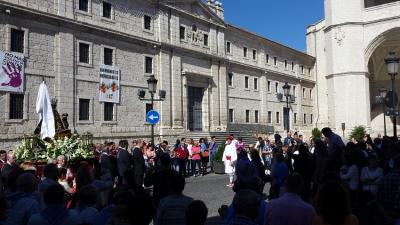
(195, 101)
(286, 119)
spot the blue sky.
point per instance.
(283, 21)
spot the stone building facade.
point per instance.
(211, 84)
(350, 45)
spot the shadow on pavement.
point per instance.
(215, 220)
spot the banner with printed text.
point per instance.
(12, 72)
(109, 84)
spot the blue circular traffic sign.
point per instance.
(152, 117)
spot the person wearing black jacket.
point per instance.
(256, 160)
(124, 159)
(139, 166)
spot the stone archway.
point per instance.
(388, 41)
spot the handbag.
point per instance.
(205, 154)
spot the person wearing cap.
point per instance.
(229, 158)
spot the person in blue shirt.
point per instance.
(213, 150)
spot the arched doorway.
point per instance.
(379, 78)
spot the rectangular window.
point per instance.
(256, 116)
(309, 71)
(148, 108)
(285, 64)
(269, 86)
(294, 91)
(230, 79)
(310, 93)
(267, 58)
(302, 69)
(182, 32)
(147, 22)
(292, 66)
(255, 83)
(108, 56)
(304, 93)
(228, 47)
(269, 117)
(247, 116)
(276, 87)
(277, 117)
(108, 111)
(305, 118)
(17, 40)
(84, 105)
(244, 52)
(230, 115)
(84, 5)
(205, 39)
(295, 118)
(148, 63)
(246, 82)
(84, 51)
(275, 61)
(107, 10)
(16, 106)
(254, 54)
(311, 119)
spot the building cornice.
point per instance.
(358, 73)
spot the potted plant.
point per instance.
(219, 167)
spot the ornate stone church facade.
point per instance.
(350, 46)
(217, 77)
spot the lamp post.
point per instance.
(152, 88)
(382, 96)
(286, 92)
(392, 63)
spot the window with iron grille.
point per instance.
(292, 66)
(285, 64)
(148, 65)
(255, 83)
(230, 115)
(295, 118)
(275, 61)
(228, 47)
(267, 58)
(256, 116)
(182, 30)
(247, 116)
(230, 79)
(278, 119)
(311, 118)
(246, 82)
(244, 52)
(84, 5)
(254, 54)
(108, 111)
(276, 87)
(269, 86)
(84, 106)
(16, 106)
(206, 39)
(269, 117)
(305, 118)
(107, 10)
(147, 22)
(108, 56)
(17, 40)
(84, 51)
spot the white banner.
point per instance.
(12, 72)
(109, 84)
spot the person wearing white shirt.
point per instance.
(229, 158)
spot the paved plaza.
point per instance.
(212, 190)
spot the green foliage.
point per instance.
(316, 133)
(358, 133)
(220, 152)
(37, 149)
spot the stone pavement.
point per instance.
(212, 190)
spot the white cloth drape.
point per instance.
(43, 108)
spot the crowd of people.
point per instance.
(319, 181)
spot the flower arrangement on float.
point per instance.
(74, 148)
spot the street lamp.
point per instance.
(392, 63)
(382, 96)
(286, 92)
(152, 88)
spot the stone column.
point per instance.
(263, 95)
(223, 96)
(165, 84)
(214, 97)
(64, 63)
(177, 92)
